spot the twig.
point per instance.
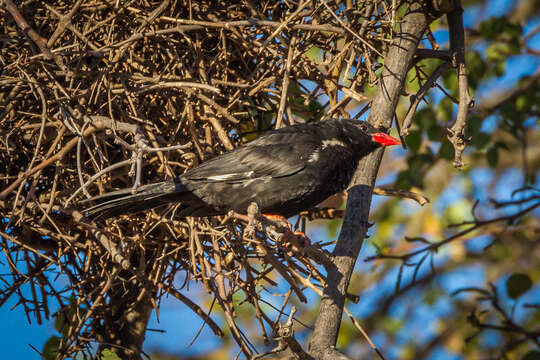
(285, 337)
(32, 34)
(97, 176)
(419, 198)
(434, 246)
(415, 99)
(285, 83)
(350, 31)
(180, 84)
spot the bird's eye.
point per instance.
(363, 127)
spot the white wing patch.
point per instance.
(314, 156)
(332, 142)
(325, 144)
(226, 177)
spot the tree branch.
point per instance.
(397, 63)
(457, 47)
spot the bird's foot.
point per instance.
(279, 220)
(296, 241)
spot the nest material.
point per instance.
(99, 101)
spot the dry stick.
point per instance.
(419, 198)
(253, 299)
(65, 21)
(283, 271)
(103, 239)
(285, 83)
(428, 84)
(32, 34)
(220, 109)
(422, 54)
(350, 31)
(178, 84)
(362, 331)
(96, 176)
(203, 25)
(194, 307)
(457, 46)
(284, 24)
(150, 19)
(286, 340)
(74, 332)
(397, 63)
(26, 247)
(98, 123)
(219, 282)
(332, 213)
(59, 155)
(221, 133)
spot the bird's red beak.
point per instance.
(385, 140)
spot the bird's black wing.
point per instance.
(273, 155)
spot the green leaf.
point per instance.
(476, 67)
(425, 117)
(513, 31)
(445, 110)
(414, 140)
(474, 123)
(517, 284)
(500, 68)
(50, 349)
(502, 145)
(60, 323)
(434, 132)
(499, 51)
(480, 140)
(450, 81)
(409, 178)
(492, 27)
(447, 150)
(492, 156)
(532, 355)
(523, 103)
(108, 354)
(391, 324)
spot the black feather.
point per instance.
(284, 171)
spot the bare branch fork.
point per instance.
(286, 339)
(455, 58)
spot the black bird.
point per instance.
(284, 171)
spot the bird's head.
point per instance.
(366, 135)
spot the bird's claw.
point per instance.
(296, 241)
(279, 220)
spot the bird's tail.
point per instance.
(125, 201)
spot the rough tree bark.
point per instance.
(397, 63)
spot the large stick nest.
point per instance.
(119, 80)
